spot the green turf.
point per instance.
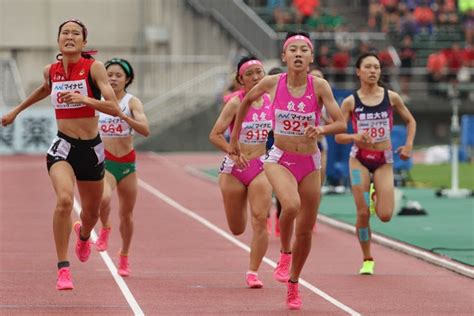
(437, 176)
(448, 229)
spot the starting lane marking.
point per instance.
(237, 242)
(132, 302)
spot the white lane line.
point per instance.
(132, 302)
(384, 241)
(237, 242)
(404, 248)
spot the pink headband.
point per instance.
(298, 37)
(247, 64)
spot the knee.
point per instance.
(64, 204)
(126, 217)
(363, 216)
(290, 209)
(105, 202)
(237, 231)
(305, 234)
(385, 216)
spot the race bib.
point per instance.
(59, 148)
(255, 132)
(291, 123)
(379, 130)
(76, 86)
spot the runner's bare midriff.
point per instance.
(79, 128)
(296, 144)
(252, 151)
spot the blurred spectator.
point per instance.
(436, 68)
(322, 58)
(454, 60)
(424, 17)
(304, 9)
(447, 14)
(281, 13)
(330, 20)
(386, 64)
(407, 58)
(469, 26)
(363, 48)
(408, 25)
(390, 18)
(375, 15)
(343, 39)
(340, 62)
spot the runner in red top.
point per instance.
(75, 84)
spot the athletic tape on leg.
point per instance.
(364, 234)
(356, 178)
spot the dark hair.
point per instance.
(361, 58)
(126, 67)
(275, 70)
(242, 61)
(303, 33)
(364, 56)
(86, 54)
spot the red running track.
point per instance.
(185, 262)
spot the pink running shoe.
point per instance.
(124, 267)
(64, 280)
(293, 300)
(83, 248)
(282, 270)
(102, 242)
(253, 282)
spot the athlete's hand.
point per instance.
(313, 131)
(70, 97)
(404, 152)
(8, 118)
(240, 161)
(234, 147)
(363, 138)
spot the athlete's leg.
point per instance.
(383, 180)
(260, 199)
(127, 194)
(286, 190)
(105, 206)
(90, 193)
(360, 182)
(309, 191)
(63, 179)
(234, 195)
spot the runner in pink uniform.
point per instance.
(370, 109)
(239, 183)
(76, 156)
(293, 164)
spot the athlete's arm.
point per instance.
(38, 94)
(138, 121)
(109, 105)
(345, 138)
(400, 107)
(216, 136)
(338, 124)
